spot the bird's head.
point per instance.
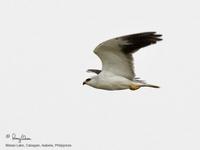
(89, 81)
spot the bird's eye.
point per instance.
(87, 79)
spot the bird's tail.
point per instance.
(149, 85)
(136, 86)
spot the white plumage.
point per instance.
(117, 62)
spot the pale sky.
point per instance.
(46, 47)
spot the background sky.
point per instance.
(47, 45)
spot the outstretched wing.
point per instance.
(116, 54)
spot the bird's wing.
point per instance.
(94, 71)
(116, 54)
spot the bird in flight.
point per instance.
(117, 62)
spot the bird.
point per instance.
(117, 62)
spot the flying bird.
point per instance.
(117, 62)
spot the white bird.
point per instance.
(117, 62)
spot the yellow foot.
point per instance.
(134, 86)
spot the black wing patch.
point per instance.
(137, 41)
(94, 71)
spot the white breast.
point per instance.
(112, 82)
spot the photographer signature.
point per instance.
(19, 139)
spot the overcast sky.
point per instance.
(47, 45)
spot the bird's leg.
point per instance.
(134, 86)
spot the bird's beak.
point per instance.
(84, 83)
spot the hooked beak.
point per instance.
(84, 83)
